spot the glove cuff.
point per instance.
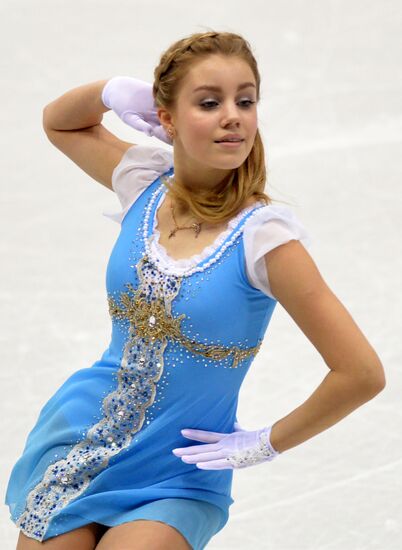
(266, 446)
(110, 86)
(104, 94)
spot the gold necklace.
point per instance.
(196, 225)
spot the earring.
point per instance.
(170, 133)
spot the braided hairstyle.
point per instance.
(227, 199)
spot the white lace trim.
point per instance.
(160, 251)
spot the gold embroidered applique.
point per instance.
(152, 320)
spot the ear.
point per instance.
(165, 117)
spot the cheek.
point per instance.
(253, 123)
(200, 125)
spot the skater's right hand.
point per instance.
(132, 100)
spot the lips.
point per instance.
(230, 144)
(228, 140)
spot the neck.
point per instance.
(196, 175)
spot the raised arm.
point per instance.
(72, 123)
(356, 373)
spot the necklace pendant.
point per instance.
(197, 228)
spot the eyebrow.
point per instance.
(218, 89)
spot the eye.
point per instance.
(207, 104)
(247, 101)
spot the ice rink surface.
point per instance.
(331, 119)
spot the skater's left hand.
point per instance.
(238, 449)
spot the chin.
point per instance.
(222, 162)
(233, 163)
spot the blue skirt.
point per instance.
(198, 521)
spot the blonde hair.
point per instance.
(227, 199)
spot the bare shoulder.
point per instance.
(302, 274)
(94, 149)
(299, 287)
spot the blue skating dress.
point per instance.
(181, 345)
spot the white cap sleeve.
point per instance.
(139, 166)
(268, 228)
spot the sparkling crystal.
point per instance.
(152, 321)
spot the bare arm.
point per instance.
(356, 373)
(72, 123)
(80, 107)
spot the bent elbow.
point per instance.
(45, 122)
(375, 380)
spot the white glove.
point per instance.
(238, 449)
(132, 101)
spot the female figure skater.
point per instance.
(138, 450)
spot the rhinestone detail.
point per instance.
(263, 452)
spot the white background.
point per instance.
(331, 120)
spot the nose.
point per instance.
(230, 114)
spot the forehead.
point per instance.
(216, 70)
